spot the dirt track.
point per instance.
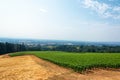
(32, 68)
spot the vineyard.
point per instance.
(77, 61)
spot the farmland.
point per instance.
(77, 61)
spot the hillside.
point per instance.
(32, 68)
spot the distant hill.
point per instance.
(56, 42)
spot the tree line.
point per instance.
(77, 48)
(10, 47)
(89, 48)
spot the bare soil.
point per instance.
(32, 68)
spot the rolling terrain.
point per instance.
(30, 67)
(77, 61)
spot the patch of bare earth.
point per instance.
(32, 68)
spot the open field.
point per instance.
(78, 61)
(29, 67)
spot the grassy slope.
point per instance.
(78, 62)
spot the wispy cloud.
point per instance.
(103, 9)
(43, 10)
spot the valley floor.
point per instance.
(32, 68)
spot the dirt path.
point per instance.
(32, 68)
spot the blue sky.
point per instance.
(79, 20)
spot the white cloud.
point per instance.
(43, 10)
(116, 9)
(103, 9)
